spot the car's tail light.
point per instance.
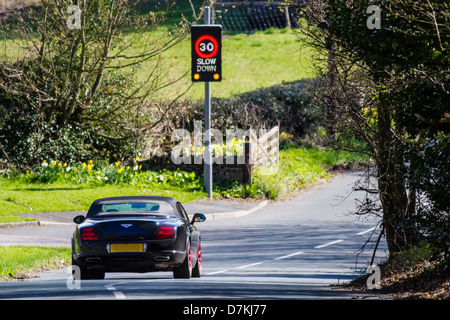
(88, 234)
(165, 232)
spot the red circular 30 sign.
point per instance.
(206, 47)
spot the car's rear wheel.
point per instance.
(184, 271)
(197, 270)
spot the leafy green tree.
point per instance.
(393, 93)
(73, 84)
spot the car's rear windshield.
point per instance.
(115, 208)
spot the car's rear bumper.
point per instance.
(157, 255)
(130, 261)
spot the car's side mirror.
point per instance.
(198, 217)
(79, 219)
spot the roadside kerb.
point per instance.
(19, 224)
(235, 214)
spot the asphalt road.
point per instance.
(296, 249)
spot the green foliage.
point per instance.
(419, 254)
(25, 138)
(293, 105)
(404, 67)
(101, 173)
(111, 119)
(235, 189)
(69, 88)
(299, 166)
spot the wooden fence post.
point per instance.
(248, 166)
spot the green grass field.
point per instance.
(249, 62)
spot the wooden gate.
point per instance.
(264, 151)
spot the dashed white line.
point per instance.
(366, 231)
(327, 244)
(289, 255)
(217, 272)
(249, 265)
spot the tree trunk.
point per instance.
(394, 202)
(391, 183)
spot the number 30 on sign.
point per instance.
(206, 49)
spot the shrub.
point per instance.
(292, 105)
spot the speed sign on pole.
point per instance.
(206, 48)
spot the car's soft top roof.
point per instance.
(171, 201)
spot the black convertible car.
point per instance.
(137, 234)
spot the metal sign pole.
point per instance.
(207, 157)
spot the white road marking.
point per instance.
(289, 255)
(110, 287)
(327, 244)
(366, 231)
(117, 293)
(217, 272)
(249, 265)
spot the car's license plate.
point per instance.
(126, 247)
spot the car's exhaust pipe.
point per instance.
(93, 259)
(161, 258)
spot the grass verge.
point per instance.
(300, 167)
(75, 189)
(19, 262)
(21, 197)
